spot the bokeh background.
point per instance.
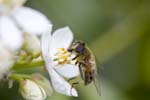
(118, 32)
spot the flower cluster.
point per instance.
(20, 29)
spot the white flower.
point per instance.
(32, 91)
(32, 45)
(8, 5)
(5, 60)
(58, 60)
(16, 19)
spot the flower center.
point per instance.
(62, 56)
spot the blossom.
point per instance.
(58, 60)
(43, 82)
(18, 25)
(16, 20)
(31, 90)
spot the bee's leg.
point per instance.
(70, 50)
(72, 83)
(76, 62)
(76, 57)
(69, 80)
(72, 86)
(81, 71)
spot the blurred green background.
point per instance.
(118, 32)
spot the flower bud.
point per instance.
(30, 90)
(32, 44)
(44, 82)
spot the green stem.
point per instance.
(19, 77)
(35, 64)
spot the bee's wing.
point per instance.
(96, 80)
(97, 83)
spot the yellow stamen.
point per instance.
(64, 50)
(63, 56)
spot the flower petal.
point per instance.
(31, 20)
(10, 34)
(60, 85)
(30, 90)
(6, 60)
(67, 70)
(4, 8)
(45, 42)
(61, 38)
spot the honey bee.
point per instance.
(86, 62)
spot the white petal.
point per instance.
(61, 38)
(10, 34)
(31, 20)
(67, 70)
(4, 8)
(5, 66)
(60, 85)
(30, 90)
(6, 60)
(45, 42)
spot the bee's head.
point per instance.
(78, 47)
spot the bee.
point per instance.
(86, 62)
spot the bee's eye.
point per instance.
(80, 49)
